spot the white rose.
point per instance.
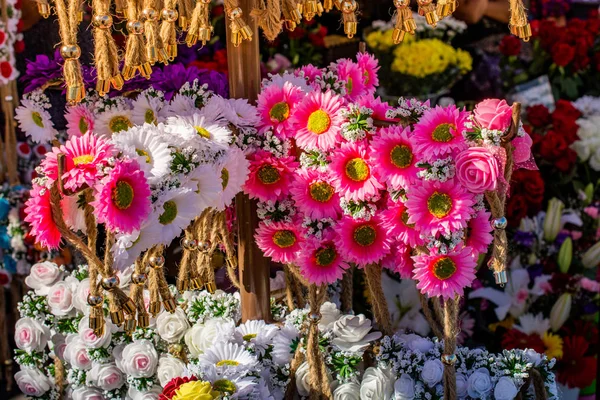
(533, 357)
(89, 337)
(30, 335)
(32, 382)
(432, 372)
(58, 345)
(479, 384)
(86, 393)
(404, 388)
(76, 353)
(60, 297)
(105, 376)
(202, 336)
(347, 391)
(80, 296)
(505, 389)
(352, 333)
(461, 386)
(118, 355)
(139, 359)
(376, 384)
(169, 367)
(172, 327)
(42, 276)
(302, 378)
(417, 343)
(152, 394)
(329, 314)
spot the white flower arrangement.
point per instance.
(9, 29)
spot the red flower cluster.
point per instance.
(216, 62)
(514, 339)
(169, 390)
(526, 195)
(575, 369)
(510, 45)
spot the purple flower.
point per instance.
(40, 72)
(525, 239)
(534, 271)
(172, 77)
(216, 81)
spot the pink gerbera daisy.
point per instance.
(270, 178)
(315, 195)
(38, 213)
(393, 157)
(479, 232)
(276, 105)
(83, 155)
(399, 260)
(80, 120)
(379, 107)
(441, 207)
(445, 275)
(348, 71)
(318, 121)
(440, 131)
(122, 198)
(362, 242)
(351, 169)
(395, 218)
(320, 261)
(309, 72)
(280, 241)
(369, 66)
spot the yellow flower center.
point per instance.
(149, 116)
(249, 337)
(280, 111)
(405, 218)
(439, 204)
(84, 159)
(357, 170)
(443, 268)
(119, 123)
(224, 386)
(442, 133)
(202, 132)
(366, 77)
(83, 125)
(401, 156)
(268, 175)
(122, 195)
(364, 235)
(228, 363)
(144, 153)
(321, 191)
(318, 122)
(37, 119)
(284, 238)
(325, 256)
(169, 214)
(224, 178)
(349, 85)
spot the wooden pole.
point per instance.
(243, 64)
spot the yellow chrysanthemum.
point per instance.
(195, 390)
(465, 61)
(380, 40)
(554, 345)
(506, 323)
(428, 57)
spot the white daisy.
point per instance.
(234, 387)
(280, 80)
(530, 323)
(74, 216)
(200, 126)
(180, 105)
(256, 332)
(35, 121)
(146, 109)
(143, 143)
(215, 109)
(234, 171)
(230, 359)
(241, 113)
(207, 183)
(284, 344)
(129, 246)
(112, 121)
(174, 211)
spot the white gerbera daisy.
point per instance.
(533, 323)
(284, 344)
(112, 121)
(129, 246)
(146, 109)
(230, 359)
(143, 144)
(206, 182)
(238, 111)
(234, 171)
(280, 80)
(180, 105)
(233, 387)
(256, 332)
(199, 126)
(35, 121)
(174, 210)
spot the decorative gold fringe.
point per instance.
(518, 24)
(200, 28)
(318, 379)
(135, 49)
(185, 13)
(291, 15)
(404, 21)
(155, 48)
(428, 10)
(268, 16)
(240, 31)
(68, 22)
(349, 8)
(105, 49)
(167, 29)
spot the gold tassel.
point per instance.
(68, 20)
(167, 29)
(44, 8)
(349, 8)
(519, 26)
(185, 13)
(240, 31)
(291, 14)
(200, 27)
(106, 54)
(404, 21)
(427, 9)
(309, 9)
(155, 48)
(135, 50)
(327, 5)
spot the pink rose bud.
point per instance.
(493, 114)
(477, 169)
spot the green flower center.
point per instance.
(318, 122)
(321, 191)
(202, 132)
(84, 159)
(439, 204)
(280, 111)
(401, 156)
(325, 256)
(228, 363)
(268, 175)
(284, 238)
(37, 119)
(224, 178)
(364, 235)
(357, 170)
(169, 214)
(224, 386)
(349, 85)
(122, 195)
(119, 123)
(404, 217)
(443, 268)
(144, 153)
(149, 116)
(249, 337)
(366, 77)
(83, 125)
(442, 133)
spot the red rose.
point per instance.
(217, 10)
(566, 126)
(593, 25)
(567, 161)
(211, 65)
(169, 390)
(562, 54)
(6, 69)
(2, 37)
(581, 63)
(316, 40)
(567, 109)
(296, 33)
(535, 28)
(516, 209)
(19, 46)
(538, 116)
(510, 45)
(530, 185)
(555, 149)
(220, 57)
